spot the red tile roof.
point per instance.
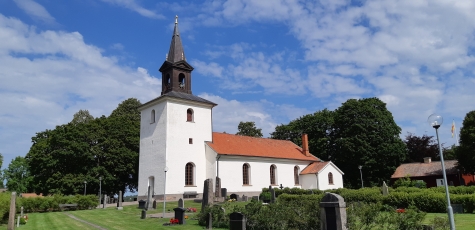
(230, 144)
(314, 167)
(425, 169)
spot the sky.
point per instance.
(267, 61)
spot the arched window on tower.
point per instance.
(330, 178)
(168, 81)
(189, 174)
(189, 115)
(181, 80)
(296, 175)
(245, 174)
(152, 116)
(273, 171)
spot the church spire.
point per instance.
(176, 52)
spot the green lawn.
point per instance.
(129, 218)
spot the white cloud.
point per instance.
(47, 76)
(134, 6)
(35, 10)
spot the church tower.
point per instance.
(173, 130)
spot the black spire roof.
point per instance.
(176, 52)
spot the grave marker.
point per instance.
(237, 221)
(385, 189)
(207, 193)
(333, 212)
(11, 216)
(180, 203)
(119, 202)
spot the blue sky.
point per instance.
(267, 61)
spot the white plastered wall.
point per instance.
(323, 178)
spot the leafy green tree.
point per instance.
(249, 129)
(318, 127)
(82, 116)
(364, 133)
(420, 147)
(18, 176)
(465, 152)
(62, 159)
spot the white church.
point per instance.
(179, 150)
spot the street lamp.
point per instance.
(165, 190)
(361, 174)
(436, 121)
(85, 182)
(100, 190)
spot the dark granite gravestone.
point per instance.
(224, 192)
(237, 221)
(142, 204)
(333, 212)
(144, 214)
(180, 203)
(272, 195)
(218, 187)
(154, 204)
(180, 215)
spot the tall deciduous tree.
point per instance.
(18, 176)
(420, 147)
(82, 116)
(465, 152)
(318, 127)
(249, 129)
(364, 133)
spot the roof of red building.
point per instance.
(230, 144)
(425, 169)
(314, 167)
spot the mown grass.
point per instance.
(463, 221)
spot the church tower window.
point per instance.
(152, 116)
(245, 174)
(181, 81)
(273, 171)
(189, 115)
(189, 174)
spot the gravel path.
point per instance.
(93, 225)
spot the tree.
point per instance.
(82, 116)
(465, 152)
(318, 127)
(420, 147)
(249, 129)
(364, 133)
(62, 159)
(18, 176)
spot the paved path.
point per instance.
(91, 224)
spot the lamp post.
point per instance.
(361, 175)
(85, 182)
(165, 190)
(436, 121)
(100, 190)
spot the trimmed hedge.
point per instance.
(425, 199)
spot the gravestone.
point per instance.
(458, 208)
(144, 214)
(244, 198)
(272, 195)
(21, 212)
(237, 221)
(11, 216)
(105, 201)
(209, 221)
(149, 199)
(224, 192)
(385, 189)
(180, 215)
(180, 203)
(207, 193)
(119, 202)
(142, 204)
(154, 204)
(218, 187)
(332, 212)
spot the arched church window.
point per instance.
(181, 80)
(189, 174)
(296, 175)
(152, 116)
(273, 170)
(245, 174)
(168, 81)
(189, 115)
(330, 178)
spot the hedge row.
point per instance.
(427, 200)
(44, 204)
